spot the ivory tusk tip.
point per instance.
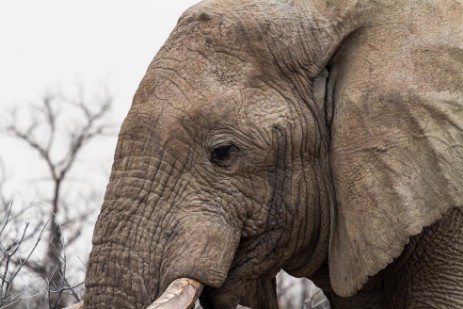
(180, 294)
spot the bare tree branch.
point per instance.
(8, 254)
(55, 293)
(46, 133)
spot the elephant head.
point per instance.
(281, 134)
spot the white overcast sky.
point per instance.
(56, 44)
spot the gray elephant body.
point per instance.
(321, 137)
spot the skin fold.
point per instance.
(320, 137)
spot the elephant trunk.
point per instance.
(143, 240)
(128, 280)
(203, 250)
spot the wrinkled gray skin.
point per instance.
(321, 137)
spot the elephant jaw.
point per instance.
(180, 294)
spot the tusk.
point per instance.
(180, 294)
(76, 306)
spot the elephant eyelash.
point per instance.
(224, 155)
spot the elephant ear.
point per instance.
(396, 138)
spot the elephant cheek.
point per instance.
(201, 249)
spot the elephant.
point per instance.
(320, 137)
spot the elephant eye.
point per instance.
(224, 155)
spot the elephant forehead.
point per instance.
(203, 93)
(193, 114)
